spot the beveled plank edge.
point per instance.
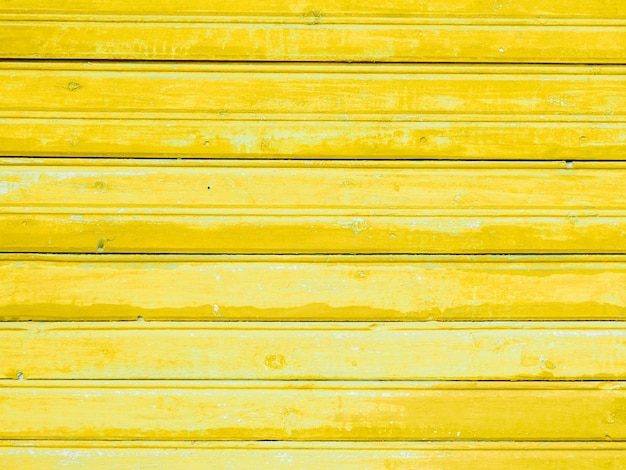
(523, 8)
(327, 68)
(311, 18)
(503, 260)
(216, 384)
(316, 445)
(309, 163)
(425, 121)
(157, 325)
(313, 163)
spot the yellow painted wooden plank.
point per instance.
(310, 233)
(34, 455)
(314, 351)
(300, 410)
(263, 187)
(312, 139)
(349, 9)
(369, 288)
(446, 30)
(308, 209)
(340, 92)
(307, 110)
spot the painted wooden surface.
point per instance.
(342, 234)
(222, 90)
(37, 455)
(193, 10)
(348, 30)
(312, 111)
(441, 139)
(301, 410)
(367, 288)
(123, 233)
(266, 186)
(308, 208)
(314, 351)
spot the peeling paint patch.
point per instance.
(357, 225)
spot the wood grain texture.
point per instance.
(314, 351)
(192, 10)
(36, 455)
(300, 410)
(368, 288)
(404, 31)
(296, 139)
(256, 178)
(266, 186)
(308, 110)
(313, 89)
(307, 208)
(231, 234)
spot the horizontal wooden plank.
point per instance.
(34, 455)
(307, 110)
(312, 40)
(368, 288)
(404, 31)
(293, 139)
(88, 186)
(190, 10)
(314, 351)
(294, 234)
(299, 410)
(312, 209)
(341, 92)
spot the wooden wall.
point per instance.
(337, 234)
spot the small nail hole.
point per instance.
(208, 187)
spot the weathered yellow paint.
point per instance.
(369, 288)
(372, 139)
(348, 30)
(311, 110)
(298, 188)
(309, 274)
(300, 410)
(36, 455)
(305, 90)
(314, 351)
(303, 208)
(195, 10)
(308, 233)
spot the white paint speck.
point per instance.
(474, 224)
